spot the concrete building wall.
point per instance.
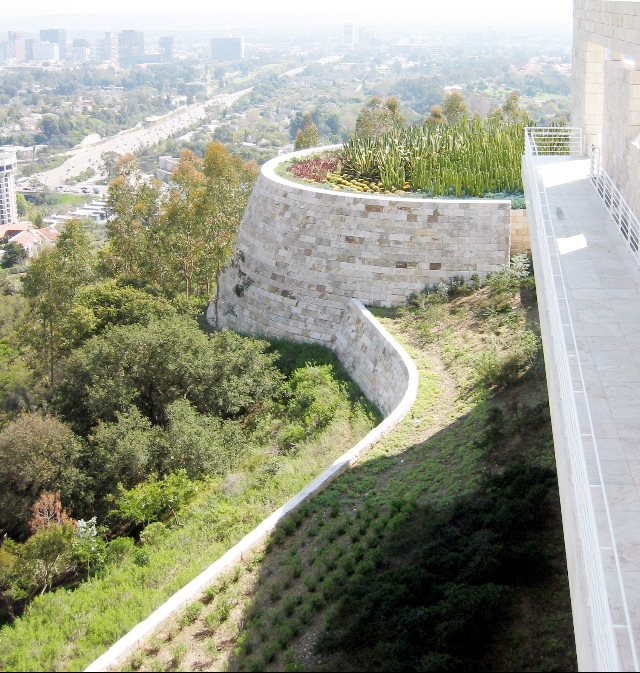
(8, 207)
(606, 87)
(304, 252)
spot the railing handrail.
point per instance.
(619, 210)
(604, 639)
(560, 140)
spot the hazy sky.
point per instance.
(362, 11)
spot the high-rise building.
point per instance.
(80, 54)
(28, 49)
(227, 48)
(166, 49)
(348, 35)
(130, 46)
(17, 44)
(46, 51)
(106, 49)
(8, 207)
(56, 36)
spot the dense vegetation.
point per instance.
(449, 154)
(441, 550)
(468, 158)
(131, 433)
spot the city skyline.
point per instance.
(491, 12)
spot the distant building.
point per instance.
(348, 35)
(367, 37)
(130, 46)
(106, 49)
(45, 51)
(55, 36)
(80, 54)
(227, 48)
(166, 49)
(17, 45)
(166, 166)
(8, 207)
(28, 49)
(32, 239)
(417, 49)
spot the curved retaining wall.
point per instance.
(306, 251)
(385, 367)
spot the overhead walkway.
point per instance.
(588, 286)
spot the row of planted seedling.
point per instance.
(317, 553)
(300, 573)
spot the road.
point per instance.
(82, 158)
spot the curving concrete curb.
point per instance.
(398, 361)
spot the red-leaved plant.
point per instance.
(314, 169)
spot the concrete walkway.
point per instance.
(601, 282)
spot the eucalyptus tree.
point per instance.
(50, 285)
(379, 117)
(132, 206)
(229, 185)
(201, 214)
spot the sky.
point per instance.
(360, 11)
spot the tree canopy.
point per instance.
(151, 366)
(379, 116)
(308, 135)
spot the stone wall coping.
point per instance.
(192, 591)
(268, 171)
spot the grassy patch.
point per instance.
(68, 628)
(380, 535)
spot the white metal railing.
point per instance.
(596, 601)
(562, 140)
(619, 210)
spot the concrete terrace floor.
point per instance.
(602, 284)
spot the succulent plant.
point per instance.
(470, 158)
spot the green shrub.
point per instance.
(120, 549)
(223, 609)
(178, 653)
(191, 614)
(312, 394)
(153, 534)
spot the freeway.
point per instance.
(82, 158)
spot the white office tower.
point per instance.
(348, 36)
(8, 208)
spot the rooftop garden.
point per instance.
(474, 158)
(451, 154)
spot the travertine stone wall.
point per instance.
(520, 241)
(305, 252)
(606, 87)
(371, 358)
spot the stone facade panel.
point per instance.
(307, 251)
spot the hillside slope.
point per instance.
(441, 550)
